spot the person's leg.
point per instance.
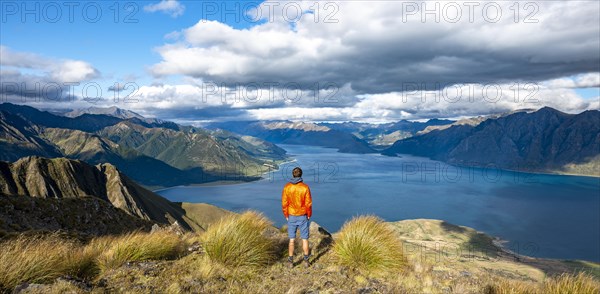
(305, 248)
(292, 228)
(291, 248)
(304, 234)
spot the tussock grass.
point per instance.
(239, 240)
(511, 287)
(572, 284)
(81, 262)
(367, 243)
(39, 259)
(564, 284)
(137, 246)
(35, 259)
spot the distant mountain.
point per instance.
(472, 121)
(84, 122)
(381, 135)
(111, 111)
(350, 137)
(299, 133)
(154, 154)
(543, 141)
(124, 114)
(387, 139)
(33, 116)
(190, 147)
(20, 138)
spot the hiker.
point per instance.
(296, 203)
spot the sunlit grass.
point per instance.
(237, 255)
(116, 251)
(564, 284)
(571, 284)
(36, 259)
(239, 240)
(367, 243)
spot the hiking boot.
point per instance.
(306, 262)
(290, 262)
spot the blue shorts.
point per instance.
(295, 222)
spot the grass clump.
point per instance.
(503, 286)
(571, 284)
(367, 243)
(239, 240)
(137, 246)
(36, 259)
(564, 284)
(43, 258)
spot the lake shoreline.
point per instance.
(224, 182)
(523, 208)
(400, 155)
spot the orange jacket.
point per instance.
(296, 200)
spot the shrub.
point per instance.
(369, 244)
(116, 251)
(239, 240)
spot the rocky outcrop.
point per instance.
(84, 216)
(65, 178)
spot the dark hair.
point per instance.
(297, 172)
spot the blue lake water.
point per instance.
(539, 215)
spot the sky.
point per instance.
(368, 61)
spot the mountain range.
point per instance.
(348, 137)
(297, 133)
(472, 121)
(546, 140)
(385, 134)
(153, 152)
(111, 111)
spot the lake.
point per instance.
(539, 215)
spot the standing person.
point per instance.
(296, 203)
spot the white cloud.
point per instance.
(22, 59)
(368, 45)
(465, 100)
(588, 80)
(373, 49)
(369, 52)
(26, 76)
(199, 95)
(170, 7)
(73, 70)
(391, 107)
(59, 70)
